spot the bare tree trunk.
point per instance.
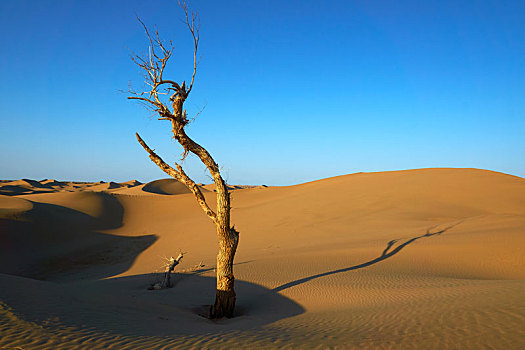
(225, 295)
(228, 239)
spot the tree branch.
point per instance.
(181, 176)
(156, 104)
(194, 29)
(153, 66)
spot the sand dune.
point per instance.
(12, 206)
(105, 186)
(157, 187)
(52, 183)
(28, 183)
(131, 183)
(24, 186)
(425, 259)
(166, 186)
(55, 234)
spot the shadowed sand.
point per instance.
(424, 259)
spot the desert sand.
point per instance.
(416, 259)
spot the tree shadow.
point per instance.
(123, 306)
(387, 253)
(53, 242)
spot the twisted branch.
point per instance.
(181, 176)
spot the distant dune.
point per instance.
(52, 183)
(27, 186)
(416, 259)
(166, 186)
(131, 183)
(105, 186)
(24, 186)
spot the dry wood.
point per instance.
(166, 283)
(153, 66)
(181, 176)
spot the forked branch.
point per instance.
(181, 176)
(154, 62)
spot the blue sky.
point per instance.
(294, 90)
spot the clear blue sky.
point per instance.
(294, 90)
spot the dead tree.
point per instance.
(170, 266)
(166, 98)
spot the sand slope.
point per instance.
(423, 259)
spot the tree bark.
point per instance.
(225, 295)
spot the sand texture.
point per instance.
(417, 259)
